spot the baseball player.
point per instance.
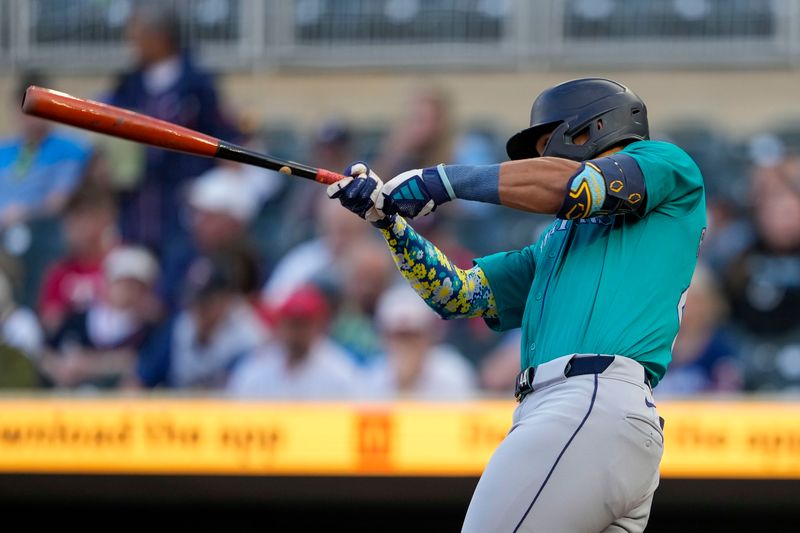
(598, 297)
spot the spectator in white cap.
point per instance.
(222, 204)
(415, 364)
(98, 347)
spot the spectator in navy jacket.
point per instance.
(168, 85)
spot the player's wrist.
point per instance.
(479, 183)
(437, 182)
(385, 222)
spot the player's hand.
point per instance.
(359, 192)
(414, 193)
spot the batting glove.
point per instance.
(415, 192)
(359, 192)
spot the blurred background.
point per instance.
(130, 276)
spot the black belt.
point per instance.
(578, 366)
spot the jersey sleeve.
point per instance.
(673, 183)
(510, 275)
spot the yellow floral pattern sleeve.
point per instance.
(447, 289)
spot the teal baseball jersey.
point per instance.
(608, 284)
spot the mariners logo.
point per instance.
(586, 195)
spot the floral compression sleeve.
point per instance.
(449, 290)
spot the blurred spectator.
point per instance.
(319, 260)
(165, 84)
(763, 283)
(303, 362)
(17, 371)
(499, 369)
(269, 229)
(368, 272)
(202, 344)
(117, 164)
(98, 346)
(222, 208)
(39, 168)
(19, 326)
(414, 363)
(704, 357)
(422, 139)
(223, 205)
(730, 229)
(477, 146)
(265, 185)
(332, 149)
(74, 282)
(21, 338)
(333, 145)
(485, 228)
(471, 337)
(729, 234)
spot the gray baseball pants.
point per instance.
(582, 456)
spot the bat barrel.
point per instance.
(111, 120)
(118, 122)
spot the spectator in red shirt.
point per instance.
(98, 348)
(74, 282)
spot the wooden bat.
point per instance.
(118, 122)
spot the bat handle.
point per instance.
(327, 177)
(240, 154)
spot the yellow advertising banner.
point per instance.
(175, 436)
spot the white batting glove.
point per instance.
(360, 192)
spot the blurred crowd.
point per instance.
(132, 268)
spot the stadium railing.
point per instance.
(84, 35)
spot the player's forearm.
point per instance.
(450, 291)
(536, 185)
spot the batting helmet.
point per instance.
(609, 112)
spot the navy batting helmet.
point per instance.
(609, 112)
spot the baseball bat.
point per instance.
(118, 122)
